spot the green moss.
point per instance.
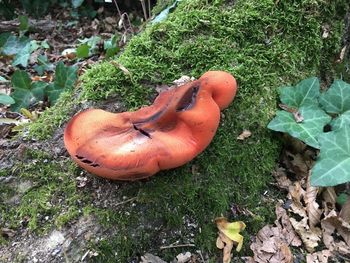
(50, 196)
(53, 117)
(265, 44)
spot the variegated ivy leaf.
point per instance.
(336, 100)
(333, 166)
(308, 130)
(305, 92)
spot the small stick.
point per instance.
(176, 246)
(144, 9)
(126, 201)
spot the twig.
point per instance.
(179, 245)
(200, 254)
(144, 9)
(149, 9)
(126, 201)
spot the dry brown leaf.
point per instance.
(231, 230)
(286, 228)
(345, 211)
(151, 258)
(319, 257)
(244, 135)
(296, 194)
(310, 238)
(281, 177)
(330, 197)
(312, 207)
(227, 246)
(121, 67)
(331, 223)
(272, 243)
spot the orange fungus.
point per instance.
(178, 126)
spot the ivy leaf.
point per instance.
(43, 65)
(333, 166)
(337, 98)
(308, 130)
(25, 93)
(22, 57)
(65, 78)
(305, 92)
(77, 3)
(6, 99)
(21, 80)
(341, 121)
(13, 45)
(83, 51)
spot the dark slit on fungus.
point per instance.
(188, 100)
(143, 132)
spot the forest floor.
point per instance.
(52, 211)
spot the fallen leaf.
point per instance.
(310, 238)
(331, 223)
(121, 67)
(231, 230)
(183, 257)
(345, 211)
(319, 257)
(226, 244)
(147, 258)
(330, 197)
(296, 194)
(244, 135)
(7, 232)
(272, 242)
(283, 181)
(312, 207)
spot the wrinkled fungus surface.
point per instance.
(178, 126)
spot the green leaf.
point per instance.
(333, 166)
(3, 38)
(305, 92)
(65, 78)
(341, 121)
(77, 3)
(21, 80)
(83, 51)
(6, 99)
(342, 198)
(25, 93)
(23, 23)
(110, 52)
(308, 130)
(43, 65)
(22, 57)
(13, 45)
(337, 98)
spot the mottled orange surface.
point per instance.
(133, 145)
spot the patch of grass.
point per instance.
(264, 44)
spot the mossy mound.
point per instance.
(264, 44)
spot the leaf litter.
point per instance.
(310, 221)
